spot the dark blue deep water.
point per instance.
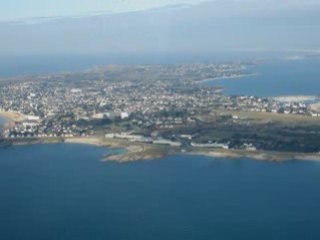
(66, 192)
(276, 78)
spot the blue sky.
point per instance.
(21, 9)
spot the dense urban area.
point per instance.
(159, 104)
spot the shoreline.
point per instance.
(258, 155)
(12, 116)
(226, 78)
(142, 151)
(133, 151)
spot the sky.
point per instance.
(22, 9)
(135, 27)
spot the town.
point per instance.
(159, 104)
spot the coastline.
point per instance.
(12, 116)
(257, 155)
(142, 151)
(133, 151)
(226, 78)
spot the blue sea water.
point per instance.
(65, 192)
(2, 121)
(276, 78)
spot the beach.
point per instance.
(12, 116)
(133, 151)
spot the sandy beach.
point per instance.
(85, 140)
(133, 151)
(12, 116)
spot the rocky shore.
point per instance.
(141, 151)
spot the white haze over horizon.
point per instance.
(182, 26)
(19, 10)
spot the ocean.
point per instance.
(276, 78)
(64, 191)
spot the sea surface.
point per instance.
(64, 191)
(276, 78)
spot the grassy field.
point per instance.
(264, 117)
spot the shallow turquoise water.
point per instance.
(276, 78)
(65, 192)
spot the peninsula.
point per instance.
(157, 110)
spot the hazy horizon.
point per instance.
(195, 29)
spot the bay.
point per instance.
(276, 78)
